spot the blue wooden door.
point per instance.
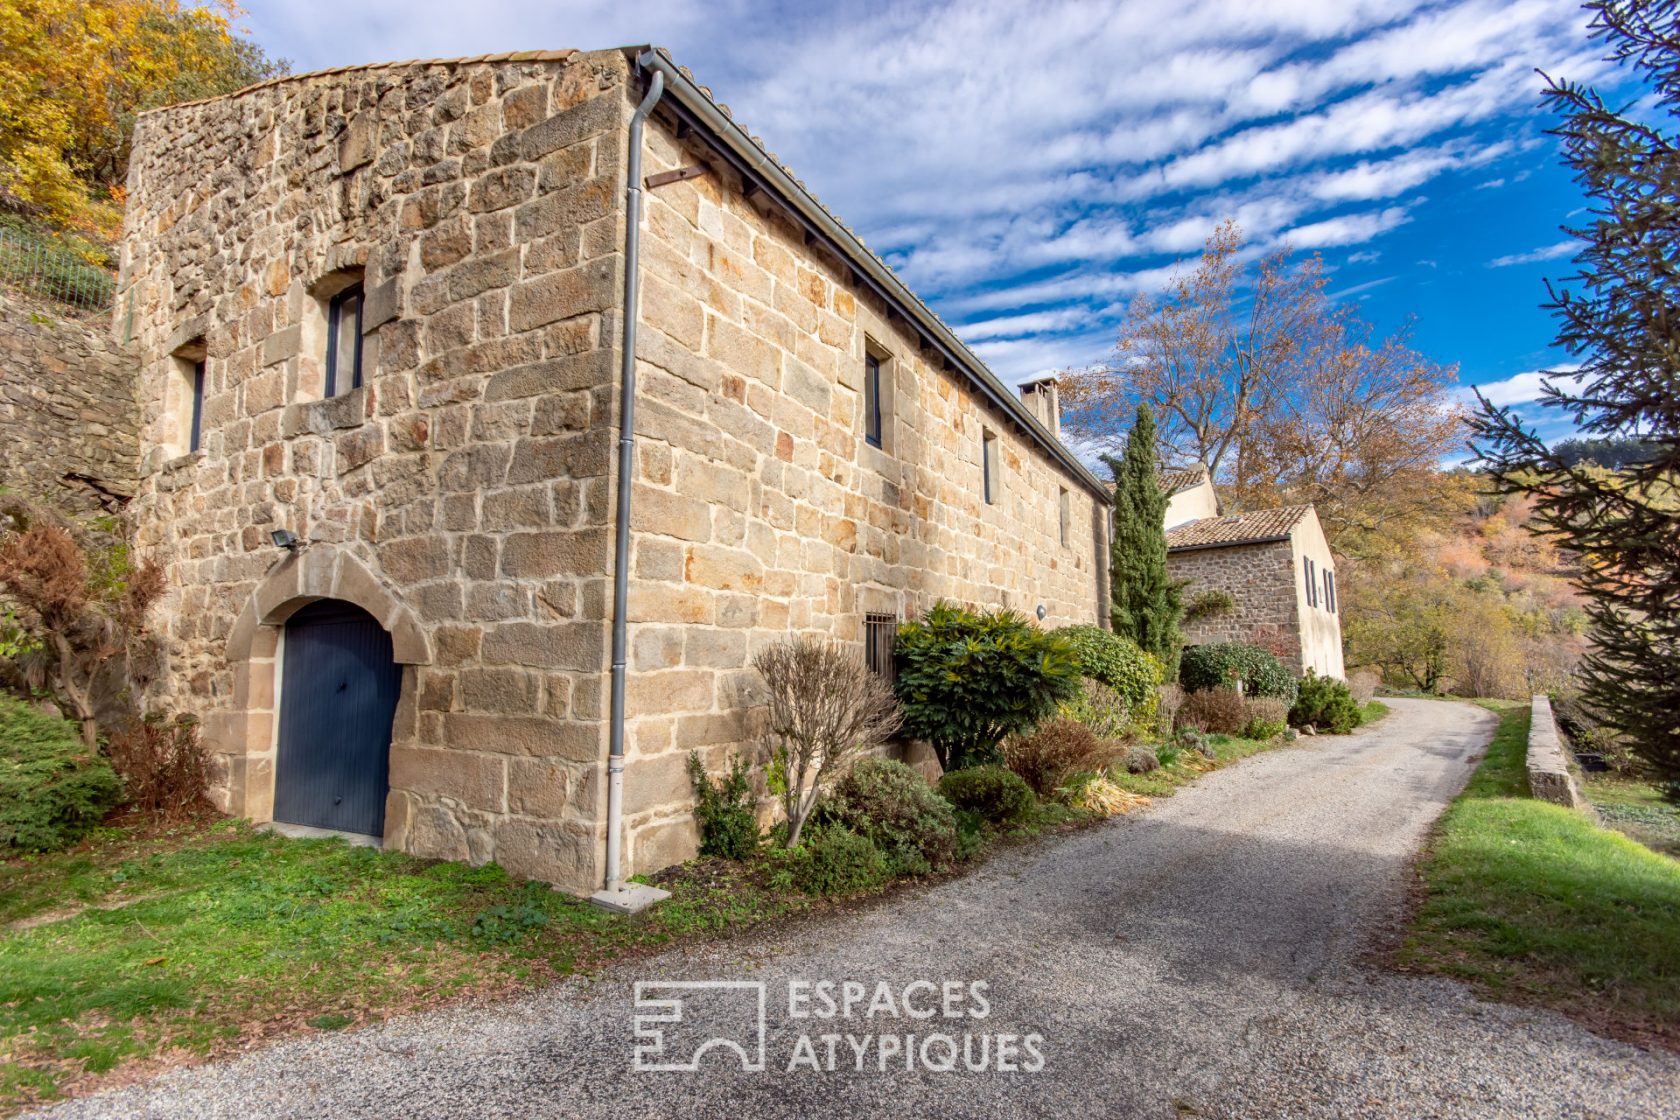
(338, 696)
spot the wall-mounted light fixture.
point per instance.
(1042, 612)
(286, 539)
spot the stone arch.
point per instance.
(324, 573)
(243, 741)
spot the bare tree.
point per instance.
(825, 706)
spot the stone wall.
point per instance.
(69, 420)
(1549, 776)
(761, 510)
(1260, 578)
(461, 495)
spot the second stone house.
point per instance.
(382, 314)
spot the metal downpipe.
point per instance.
(616, 896)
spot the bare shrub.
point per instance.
(1218, 711)
(79, 615)
(1267, 716)
(825, 706)
(163, 765)
(1170, 698)
(1101, 709)
(1056, 750)
(1362, 683)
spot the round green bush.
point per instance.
(1118, 662)
(53, 790)
(833, 860)
(1218, 664)
(1324, 704)
(995, 792)
(891, 805)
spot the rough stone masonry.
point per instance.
(463, 494)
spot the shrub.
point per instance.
(1212, 603)
(967, 680)
(825, 706)
(164, 768)
(834, 860)
(1169, 698)
(53, 789)
(996, 793)
(1101, 709)
(1217, 710)
(1324, 704)
(1115, 661)
(1222, 664)
(1268, 717)
(1362, 683)
(725, 809)
(1045, 758)
(1141, 760)
(1167, 753)
(891, 805)
(1192, 740)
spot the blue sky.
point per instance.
(1030, 165)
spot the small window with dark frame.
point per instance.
(1330, 591)
(991, 482)
(195, 433)
(880, 632)
(344, 341)
(1311, 580)
(1064, 513)
(872, 400)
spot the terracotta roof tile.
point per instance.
(1239, 528)
(1172, 482)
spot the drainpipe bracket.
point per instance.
(629, 898)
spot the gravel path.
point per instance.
(1202, 958)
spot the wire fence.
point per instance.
(46, 270)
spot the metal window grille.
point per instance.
(880, 631)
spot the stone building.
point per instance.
(1276, 567)
(380, 313)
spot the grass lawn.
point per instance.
(1189, 765)
(1534, 903)
(1371, 711)
(1636, 809)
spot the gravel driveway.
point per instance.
(1202, 958)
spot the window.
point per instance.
(195, 435)
(872, 400)
(990, 480)
(880, 631)
(1330, 591)
(344, 341)
(1311, 581)
(1065, 512)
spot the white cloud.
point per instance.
(1349, 229)
(1523, 388)
(1533, 256)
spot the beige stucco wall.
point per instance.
(461, 495)
(1192, 504)
(761, 511)
(1321, 629)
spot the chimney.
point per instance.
(1041, 400)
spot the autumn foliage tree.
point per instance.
(75, 75)
(75, 615)
(1256, 371)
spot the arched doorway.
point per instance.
(338, 697)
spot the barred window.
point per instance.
(880, 631)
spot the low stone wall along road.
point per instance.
(1207, 957)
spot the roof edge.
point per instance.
(680, 85)
(1246, 542)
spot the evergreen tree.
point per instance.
(1146, 602)
(1620, 314)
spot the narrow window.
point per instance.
(1330, 591)
(990, 481)
(195, 436)
(1065, 512)
(1312, 581)
(880, 631)
(344, 341)
(872, 400)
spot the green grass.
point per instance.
(1636, 809)
(1189, 765)
(1534, 903)
(1371, 711)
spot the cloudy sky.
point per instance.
(1029, 165)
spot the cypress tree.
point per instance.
(1620, 315)
(1145, 600)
